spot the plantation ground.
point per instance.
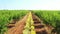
(18, 28)
(40, 27)
(13, 20)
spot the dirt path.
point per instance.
(18, 28)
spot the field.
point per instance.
(7, 16)
(50, 17)
(36, 21)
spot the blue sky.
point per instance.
(30, 4)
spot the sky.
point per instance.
(30, 4)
